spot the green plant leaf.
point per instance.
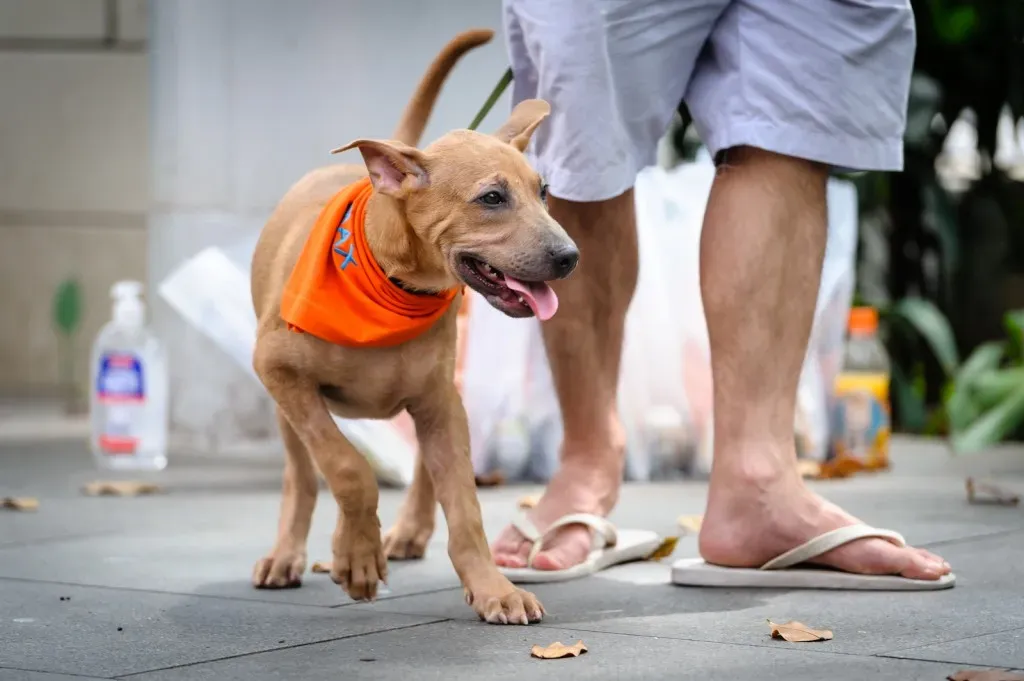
(1014, 323)
(984, 359)
(958, 397)
(953, 25)
(924, 318)
(67, 307)
(909, 404)
(993, 425)
(993, 387)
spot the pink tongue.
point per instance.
(538, 295)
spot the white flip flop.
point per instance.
(781, 572)
(611, 547)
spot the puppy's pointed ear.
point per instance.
(521, 123)
(395, 169)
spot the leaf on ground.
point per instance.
(321, 567)
(492, 479)
(558, 650)
(986, 675)
(979, 492)
(120, 488)
(528, 501)
(842, 466)
(798, 632)
(808, 468)
(690, 523)
(19, 503)
(665, 548)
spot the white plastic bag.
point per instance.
(211, 291)
(665, 379)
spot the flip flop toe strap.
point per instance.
(602, 529)
(831, 540)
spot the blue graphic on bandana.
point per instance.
(344, 235)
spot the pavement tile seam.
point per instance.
(972, 538)
(887, 653)
(160, 592)
(70, 676)
(274, 649)
(963, 665)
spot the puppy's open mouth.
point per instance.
(514, 297)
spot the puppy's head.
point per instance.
(480, 211)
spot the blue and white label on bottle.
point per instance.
(120, 388)
(120, 378)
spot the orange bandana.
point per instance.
(338, 291)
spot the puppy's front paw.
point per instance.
(279, 570)
(507, 605)
(407, 540)
(359, 563)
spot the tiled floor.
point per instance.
(156, 588)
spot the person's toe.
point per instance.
(510, 550)
(566, 549)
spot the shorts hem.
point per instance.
(844, 153)
(587, 187)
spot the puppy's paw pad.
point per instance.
(517, 607)
(279, 571)
(406, 542)
(359, 569)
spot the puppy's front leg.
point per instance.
(443, 435)
(358, 562)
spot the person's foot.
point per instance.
(573, 489)
(746, 525)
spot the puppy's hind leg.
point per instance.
(411, 533)
(284, 565)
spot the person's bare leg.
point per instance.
(761, 256)
(584, 347)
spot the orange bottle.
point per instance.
(861, 420)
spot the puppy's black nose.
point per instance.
(565, 259)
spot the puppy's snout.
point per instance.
(564, 259)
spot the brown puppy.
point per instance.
(466, 210)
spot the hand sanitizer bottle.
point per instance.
(128, 397)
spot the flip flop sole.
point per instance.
(632, 545)
(696, 572)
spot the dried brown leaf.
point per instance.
(842, 466)
(492, 479)
(979, 492)
(798, 632)
(321, 567)
(558, 650)
(19, 503)
(120, 488)
(690, 523)
(528, 501)
(985, 675)
(665, 548)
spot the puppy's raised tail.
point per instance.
(417, 111)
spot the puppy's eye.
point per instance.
(543, 192)
(492, 199)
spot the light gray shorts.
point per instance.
(824, 80)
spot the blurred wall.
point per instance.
(247, 95)
(73, 171)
